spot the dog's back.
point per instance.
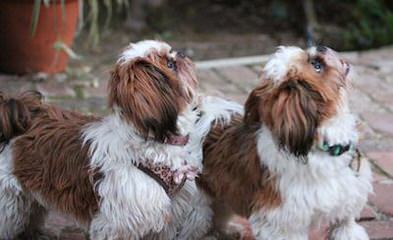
(43, 154)
(16, 114)
(19, 113)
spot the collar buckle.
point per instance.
(335, 150)
(177, 140)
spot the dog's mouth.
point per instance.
(347, 68)
(177, 140)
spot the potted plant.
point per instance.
(35, 33)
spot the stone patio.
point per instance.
(84, 88)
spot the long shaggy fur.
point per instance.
(270, 166)
(87, 167)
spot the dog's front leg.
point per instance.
(348, 229)
(277, 225)
(132, 205)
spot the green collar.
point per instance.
(335, 150)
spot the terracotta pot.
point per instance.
(23, 52)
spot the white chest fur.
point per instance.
(323, 189)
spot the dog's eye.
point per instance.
(181, 54)
(171, 64)
(317, 64)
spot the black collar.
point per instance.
(335, 150)
(176, 140)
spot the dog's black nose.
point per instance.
(322, 49)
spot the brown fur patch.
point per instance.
(16, 114)
(295, 108)
(186, 74)
(149, 95)
(292, 108)
(51, 161)
(232, 170)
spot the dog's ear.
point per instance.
(16, 114)
(148, 97)
(254, 105)
(295, 116)
(251, 114)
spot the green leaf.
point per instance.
(46, 3)
(108, 6)
(35, 16)
(63, 11)
(94, 35)
(61, 46)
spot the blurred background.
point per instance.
(66, 48)
(230, 28)
(205, 29)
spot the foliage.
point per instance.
(93, 17)
(92, 8)
(357, 23)
(36, 12)
(372, 25)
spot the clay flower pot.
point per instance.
(24, 52)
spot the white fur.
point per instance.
(218, 110)
(134, 203)
(14, 204)
(191, 216)
(142, 49)
(131, 201)
(280, 63)
(325, 188)
(212, 110)
(349, 230)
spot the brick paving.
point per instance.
(371, 99)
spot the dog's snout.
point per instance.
(322, 49)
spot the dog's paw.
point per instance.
(185, 172)
(351, 231)
(37, 234)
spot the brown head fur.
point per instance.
(296, 106)
(232, 171)
(16, 114)
(150, 95)
(49, 157)
(51, 161)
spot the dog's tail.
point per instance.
(16, 114)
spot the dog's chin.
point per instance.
(300, 90)
(153, 87)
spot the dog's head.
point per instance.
(300, 90)
(150, 86)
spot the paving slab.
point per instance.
(210, 81)
(382, 199)
(371, 99)
(384, 160)
(55, 89)
(382, 122)
(379, 230)
(240, 76)
(12, 84)
(361, 102)
(367, 214)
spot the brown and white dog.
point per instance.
(287, 164)
(103, 172)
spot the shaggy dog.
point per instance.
(290, 161)
(124, 176)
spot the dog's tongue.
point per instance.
(177, 140)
